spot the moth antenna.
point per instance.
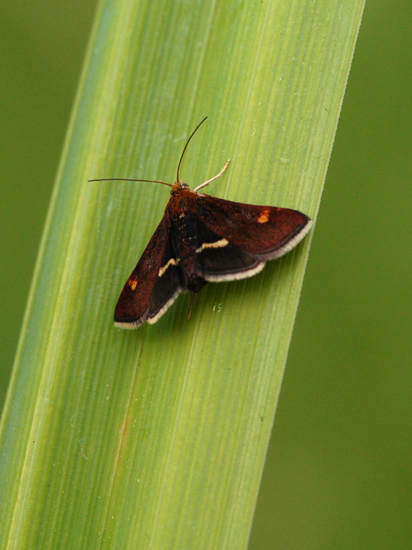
(185, 147)
(192, 298)
(129, 179)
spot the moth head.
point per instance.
(178, 186)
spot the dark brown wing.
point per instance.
(152, 286)
(266, 232)
(237, 239)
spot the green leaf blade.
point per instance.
(157, 437)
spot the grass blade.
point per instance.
(157, 438)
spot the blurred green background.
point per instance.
(339, 468)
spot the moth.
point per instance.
(203, 239)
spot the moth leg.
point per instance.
(192, 298)
(213, 179)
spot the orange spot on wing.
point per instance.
(132, 284)
(264, 216)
